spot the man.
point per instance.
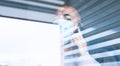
(68, 20)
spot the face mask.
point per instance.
(65, 24)
(65, 27)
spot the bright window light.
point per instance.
(27, 43)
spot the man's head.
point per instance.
(69, 12)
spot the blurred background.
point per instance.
(100, 25)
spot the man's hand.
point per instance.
(81, 43)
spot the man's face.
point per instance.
(68, 10)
